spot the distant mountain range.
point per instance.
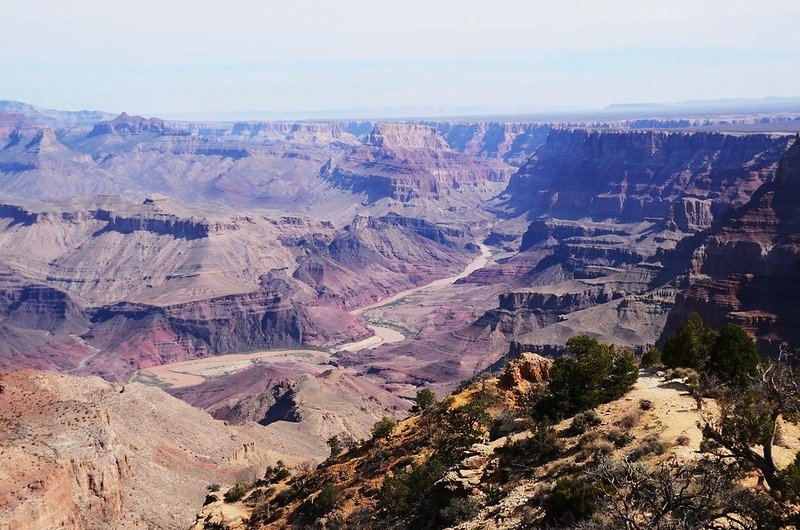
(770, 105)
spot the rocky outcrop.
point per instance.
(512, 142)
(540, 230)
(409, 161)
(630, 175)
(80, 453)
(135, 336)
(405, 136)
(692, 214)
(34, 306)
(747, 271)
(125, 124)
(525, 371)
(306, 133)
(160, 224)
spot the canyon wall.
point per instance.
(633, 175)
(746, 271)
(410, 161)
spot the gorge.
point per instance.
(282, 283)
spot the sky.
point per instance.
(200, 57)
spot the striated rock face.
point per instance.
(405, 136)
(40, 307)
(693, 215)
(117, 287)
(85, 454)
(136, 336)
(632, 175)
(125, 124)
(410, 161)
(302, 133)
(613, 215)
(747, 270)
(512, 142)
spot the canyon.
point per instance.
(247, 290)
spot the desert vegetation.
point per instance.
(575, 445)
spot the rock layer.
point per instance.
(747, 270)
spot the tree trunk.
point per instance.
(769, 470)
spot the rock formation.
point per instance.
(631, 175)
(746, 271)
(409, 161)
(125, 124)
(124, 286)
(512, 142)
(86, 454)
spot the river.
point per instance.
(384, 335)
(191, 372)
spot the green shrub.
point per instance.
(691, 344)
(425, 399)
(542, 446)
(651, 358)
(461, 427)
(459, 510)
(277, 473)
(598, 373)
(570, 501)
(334, 445)
(404, 491)
(286, 496)
(583, 421)
(734, 358)
(312, 510)
(237, 492)
(382, 428)
(789, 481)
(212, 487)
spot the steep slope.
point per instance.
(156, 282)
(608, 210)
(81, 453)
(500, 476)
(747, 270)
(409, 161)
(513, 143)
(632, 175)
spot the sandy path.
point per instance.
(187, 373)
(384, 335)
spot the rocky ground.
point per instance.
(671, 416)
(82, 453)
(310, 277)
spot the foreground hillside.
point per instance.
(479, 459)
(80, 453)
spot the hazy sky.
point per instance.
(180, 56)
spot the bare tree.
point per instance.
(678, 495)
(750, 418)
